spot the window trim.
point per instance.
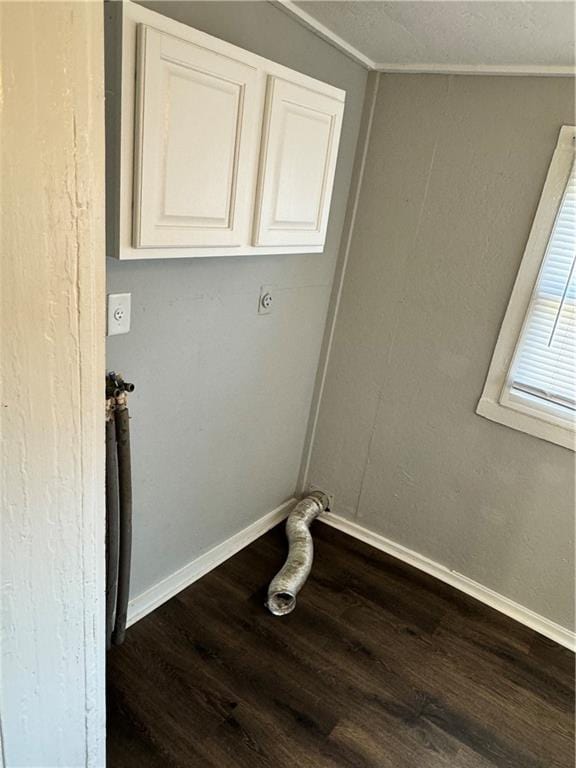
(497, 402)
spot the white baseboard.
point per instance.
(520, 613)
(143, 604)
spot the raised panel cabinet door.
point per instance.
(297, 165)
(196, 144)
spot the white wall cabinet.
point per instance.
(211, 150)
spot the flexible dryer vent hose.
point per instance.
(292, 576)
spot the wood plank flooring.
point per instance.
(380, 666)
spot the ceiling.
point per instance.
(448, 35)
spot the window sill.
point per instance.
(537, 426)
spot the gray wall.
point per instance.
(222, 394)
(454, 171)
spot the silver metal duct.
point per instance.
(291, 578)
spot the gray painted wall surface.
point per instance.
(454, 172)
(222, 394)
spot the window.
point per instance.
(531, 384)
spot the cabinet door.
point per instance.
(297, 165)
(195, 146)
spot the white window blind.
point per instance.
(543, 367)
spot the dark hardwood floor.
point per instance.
(379, 666)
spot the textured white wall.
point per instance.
(454, 171)
(52, 169)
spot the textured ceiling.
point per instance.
(454, 32)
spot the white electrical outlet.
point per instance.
(118, 313)
(265, 300)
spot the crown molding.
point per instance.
(534, 70)
(326, 34)
(517, 70)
